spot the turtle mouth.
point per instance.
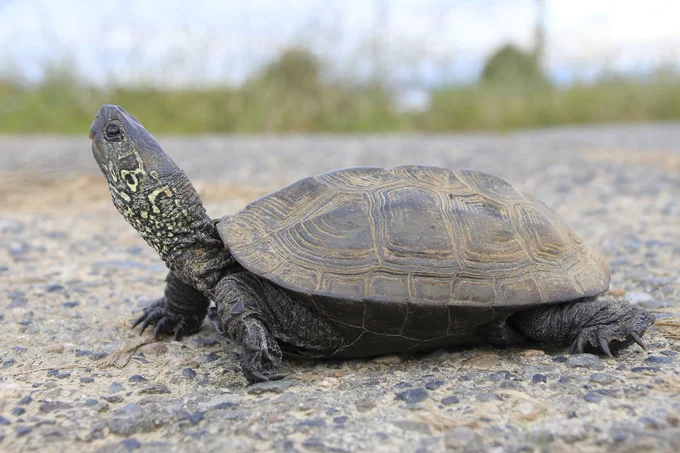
(98, 155)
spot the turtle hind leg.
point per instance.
(180, 312)
(581, 325)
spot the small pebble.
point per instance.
(131, 444)
(23, 430)
(25, 400)
(18, 411)
(225, 405)
(70, 304)
(113, 398)
(453, 399)
(53, 288)
(46, 422)
(413, 396)
(669, 353)
(602, 378)
(8, 363)
(314, 443)
(86, 380)
(402, 385)
(195, 417)
(339, 420)
(538, 378)
(58, 374)
(137, 378)
(648, 422)
(488, 396)
(500, 376)
(592, 397)
(560, 360)
(83, 353)
(365, 404)
(620, 437)
(90, 402)
(47, 408)
(312, 423)
(585, 361)
(434, 385)
(210, 357)
(116, 387)
(188, 373)
(656, 359)
(129, 419)
(4, 421)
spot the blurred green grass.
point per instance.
(291, 94)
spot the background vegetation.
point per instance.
(293, 94)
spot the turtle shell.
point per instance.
(414, 235)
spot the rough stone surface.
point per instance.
(589, 361)
(129, 420)
(62, 241)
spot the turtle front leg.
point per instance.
(240, 315)
(585, 324)
(180, 312)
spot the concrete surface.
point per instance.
(75, 377)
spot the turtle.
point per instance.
(362, 261)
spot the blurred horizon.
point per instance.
(208, 41)
(549, 61)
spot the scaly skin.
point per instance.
(159, 201)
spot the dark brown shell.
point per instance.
(415, 234)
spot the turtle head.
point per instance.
(157, 198)
(130, 158)
(146, 186)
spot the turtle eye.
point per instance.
(113, 133)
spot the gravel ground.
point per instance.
(74, 376)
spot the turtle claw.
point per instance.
(147, 322)
(578, 346)
(159, 326)
(605, 347)
(262, 355)
(179, 331)
(636, 338)
(165, 320)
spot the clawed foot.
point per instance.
(262, 356)
(594, 340)
(165, 320)
(619, 333)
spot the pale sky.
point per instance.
(421, 42)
